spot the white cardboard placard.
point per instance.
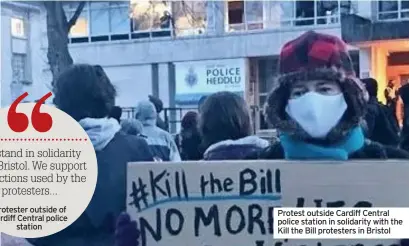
(231, 203)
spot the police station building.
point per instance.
(182, 51)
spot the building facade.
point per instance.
(181, 51)
(21, 53)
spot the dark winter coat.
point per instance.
(371, 150)
(189, 144)
(404, 144)
(96, 226)
(404, 93)
(382, 126)
(235, 149)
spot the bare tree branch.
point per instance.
(77, 13)
(58, 28)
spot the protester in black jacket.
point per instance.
(404, 242)
(318, 104)
(382, 126)
(404, 94)
(189, 139)
(159, 108)
(225, 126)
(86, 94)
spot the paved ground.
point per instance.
(7, 240)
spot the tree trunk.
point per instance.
(58, 27)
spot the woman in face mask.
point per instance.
(318, 104)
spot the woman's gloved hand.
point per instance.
(126, 233)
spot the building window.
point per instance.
(317, 12)
(250, 15)
(152, 16)
(404, 9)
(17, 27)
(244, 15)
(235, 15)
(99, 18)
(18, 63)
(80, 29)
(328, 11)
(119, 17)
(116, 20)
(19, 75)
(189, 17)
(392, 10)
(282, 13)
(254, 14)
(141, 19)
(305, 13)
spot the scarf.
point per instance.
(100, 131)
(297, 150)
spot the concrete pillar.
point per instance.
(267, 15)
(365, 62)
(163, 84)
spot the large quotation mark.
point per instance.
(18, 122)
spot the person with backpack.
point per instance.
(382, 125)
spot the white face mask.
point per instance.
(317, 114)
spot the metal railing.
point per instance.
(128, 112)
(173, 116)
(402, 14)
(284, 23)
(400, 11)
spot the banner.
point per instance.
(232, 202)
(201, 78)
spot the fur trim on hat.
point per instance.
(277, 100)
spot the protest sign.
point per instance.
(232, 202)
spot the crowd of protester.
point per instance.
(318, 106)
